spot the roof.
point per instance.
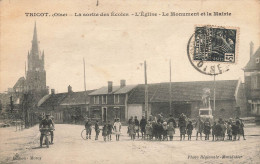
(184, 91)
(125, 89)
(76, 98)
(73, 98)
(252, 64)
(104, 90)
(20, 82)
(54, 99)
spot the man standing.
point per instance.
(142, 126)
(46, 123)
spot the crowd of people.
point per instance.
(163, 129)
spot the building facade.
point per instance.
(110, 102)
(252, 81)
(187, 98)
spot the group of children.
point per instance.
(106, 130)
(165, 129)
(160, 129)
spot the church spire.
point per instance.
(35, 48)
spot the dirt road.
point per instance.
(69, 147)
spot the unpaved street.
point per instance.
(69, 147)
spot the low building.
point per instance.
(187, 98)
(68, 107)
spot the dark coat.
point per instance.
(104, 130)
(97, 127)
(214, 129)
(235, 129)
(218, 130)
(189, 129)
(207, 127)
(143, 123)
(109, 129)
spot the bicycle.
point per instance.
(86, 135)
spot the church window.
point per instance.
(257, 60)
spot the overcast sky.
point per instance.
(114, 47)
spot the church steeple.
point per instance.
(35, 47)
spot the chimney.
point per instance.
(69, 89)
(122, 83)
(251, 49)
(52, 91)
(109, 86)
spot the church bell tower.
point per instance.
(36, 74)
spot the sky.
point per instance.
(114, 48)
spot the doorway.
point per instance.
(104, 114)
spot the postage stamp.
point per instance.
(215, 44)
(212, 49)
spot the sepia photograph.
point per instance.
(107, 82)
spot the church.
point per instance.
(34, 81)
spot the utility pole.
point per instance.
(146, 93)
(214, 96)
(11, 104)
(85, 94)
(170, 91)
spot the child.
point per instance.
(104, 131)
(189, 130)
(229, 131)
(160, 131)
(137, 124)
(97, 130)
(117, 128)
(235, 130)
(182, 126)
(142, 126)
(109, 131)
(199, 128)
(207, 128)
(218, 131)
(171, 130)
(148, 131)
(131, 128)
(214, 131)
(164, 132)
(88, 129)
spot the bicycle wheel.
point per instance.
(83, 134)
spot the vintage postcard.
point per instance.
(129, 81)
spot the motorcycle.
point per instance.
(46, 136)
